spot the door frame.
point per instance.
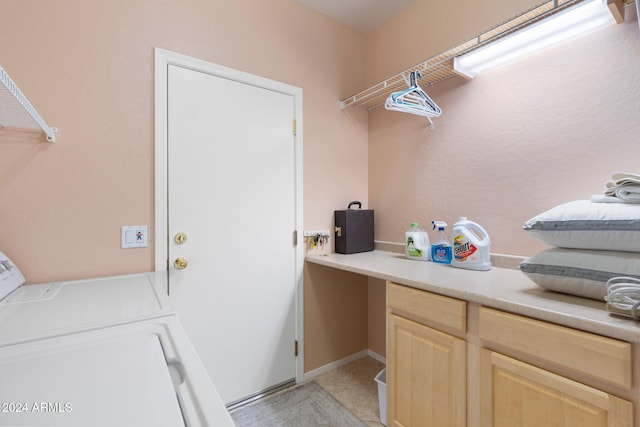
(164, 58)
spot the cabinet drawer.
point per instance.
(594, 356)
(515, 393)
(427, 308)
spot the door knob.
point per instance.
(180, 238)
(180, 263)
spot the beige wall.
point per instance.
(376, 315)
(88, 68)
(335, 315)
(513, 142)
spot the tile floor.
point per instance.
(354, 386)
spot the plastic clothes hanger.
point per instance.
(413, 100)
(415, 91)
(415, 96)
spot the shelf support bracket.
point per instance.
(8, 85)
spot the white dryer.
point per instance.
(101, 352)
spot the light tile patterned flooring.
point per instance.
(355, 387)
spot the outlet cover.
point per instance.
(134, 236)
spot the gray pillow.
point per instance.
(579, 272)
(582, 224)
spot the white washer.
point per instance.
(101, 352)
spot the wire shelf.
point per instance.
(440, 67)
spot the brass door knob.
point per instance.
(180, 263)
(180, 238)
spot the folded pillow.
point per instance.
(579, 272)
(582, 224)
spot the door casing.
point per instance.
(164, 58)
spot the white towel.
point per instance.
(623, 178)
(623, 185)
(628, 193)
(601, 198)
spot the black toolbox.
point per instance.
(353, 230)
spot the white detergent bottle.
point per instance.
(471, 246)
(417, 243)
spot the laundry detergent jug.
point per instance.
(417, 244)
(471, 246)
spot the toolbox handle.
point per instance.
(355, 203)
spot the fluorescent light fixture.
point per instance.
(565, 25)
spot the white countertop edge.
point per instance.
(500, 288)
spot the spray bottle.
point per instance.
(441, 251)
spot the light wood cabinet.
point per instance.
(588, 355)
(453, 363)
(426, 368)
(516, 394)
(435, 310)
(425, 376)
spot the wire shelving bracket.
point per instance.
(16, 110)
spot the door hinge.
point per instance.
(295, 237)
(295, 124)
(295, 348)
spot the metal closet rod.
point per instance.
(13, 89)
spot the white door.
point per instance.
(231, 161)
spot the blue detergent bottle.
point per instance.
(441, 251)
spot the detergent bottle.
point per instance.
(417, 243)
(471, 246)
(441, 251)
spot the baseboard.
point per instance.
(341, 362)
(372, 354)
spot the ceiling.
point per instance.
(362, 15)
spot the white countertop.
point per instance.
(500, 288)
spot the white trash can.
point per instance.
(381, 379)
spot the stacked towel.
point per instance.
(623, 188)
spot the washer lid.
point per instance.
(36, 311)
(100, 382)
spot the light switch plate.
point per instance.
(134, 236)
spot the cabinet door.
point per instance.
(426, 371)
(516, 394)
